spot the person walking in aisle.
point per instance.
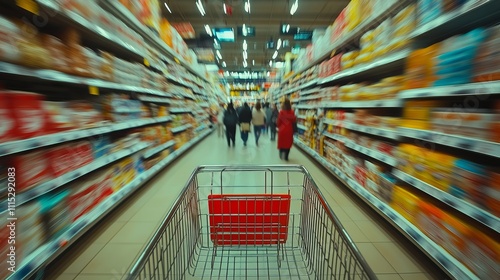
(245, 118)
(268, 111)
(258, 121)
(285, 124)
(230, 121)
(220, 122)
(272, 121)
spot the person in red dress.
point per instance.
(285, 123)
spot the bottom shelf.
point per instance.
(441, 257)
(49, 251)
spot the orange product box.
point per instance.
(456, 234)
(28, 112)
(430, 219)
(405, 203)
(483, 255)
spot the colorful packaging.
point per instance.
(406, 204)
(30, 229)
(430, 219)
(31, 120)
(469, 181)
(55, 213)
(8, 123)
(32, 168)
(483, 255)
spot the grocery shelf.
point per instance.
(180, 110)
(307, 92)
(181, 128)
(151, 152)
(390, 60)
(51, 76)
(456, 141)
(301, 116)
(466, 208)
(482, 90)
(472, 14)
(49, 251)
(155, 99)
(93, 32)
(51, 185)
(17, 146)
(308, 106)
(387, 159)
(387, 103)
(121, 12)
(369, 23)
(441, 257)
(382, 132)
(303, 127)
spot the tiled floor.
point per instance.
(112, 246)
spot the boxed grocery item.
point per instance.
(60, 159)
(58, 116)
(487, 61)
(101, 145)
(469, 181)
(493, 193)
(429, 219)
(407, 204)
(456, 236)
(84, 114)
(429, 10)
(440, 169)
(32, 168)
(9, 37)
(57, 51)
(420, 67)
(30, 229)
(385, 191)
(31, 50)
(8, 124)
(483, 255)
(28, 112)
(55, 213)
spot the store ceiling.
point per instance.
(266, 16)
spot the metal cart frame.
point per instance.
(273, 225)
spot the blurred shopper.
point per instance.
(285, 123)
(230, 121)
(245, 118)
(268, 111)
(272, 121)
(258, 121)
(220, 122)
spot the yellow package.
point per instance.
(354, 14)
(405, 14)
(405, 203)
(440, 171)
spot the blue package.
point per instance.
(101, 145)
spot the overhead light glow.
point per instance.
(219, 55)
(287, 28)
(275, 55)
(294, 7)
(268, 73)
(208, 30)
(168, 8)
(278, 46)
(270, 63)
(245, 55)
(244, 30)
(253, 62)
(225, 8)
(247, 6)
(224, 64)
(200, 7)
(245, 63)
(245, 46)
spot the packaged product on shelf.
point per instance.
(84, 114)
(32, 168)
(469, 182)
(60, 159)
(8, 124)
(54, 209)
(482, 255)
(30, 229)
(429, 219)
(9, 37)
(58, 116)
(124, 173)
(81, 154)
(487, 60)
(107, 68)
(429, 10)
(360, 175)
(440, 170)
(493, 193)
(28, 113)
(386, 187)
(420, 67)
(101, 145)
(75, 52)
(405, 203)
(456, 236)
(473, 123)
(58, 51)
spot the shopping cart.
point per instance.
(251, 222)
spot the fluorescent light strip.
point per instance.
(245, 55)
(168, 8)
(294, 8)
(275, 55)
(279, 44)
(224, 64)
(200, 7)
(270, 63)
(219, 55)
(253, 62)
(245, 63)
(207, 29)
(247, 6)
(225, 8)
(245, 46)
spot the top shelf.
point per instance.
(118, 10)
(368, 24)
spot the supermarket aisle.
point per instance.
(109, 251)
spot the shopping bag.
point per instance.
(245, 127)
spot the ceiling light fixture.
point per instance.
(270, 63)
(245, 55)
(247, 6)
(224, 64)
(225, 8)
(219, 55)
(253, 62)
(208, 30)
(294, 7)
(168, 8)
(245, 63)
(278, 46)
(245, 46)
(200, 7)
(244, 30)
(275, 55)
(287, 28)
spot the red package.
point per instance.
(82, 200)
(81, 154)
(60, 160)
(8, 123)
(28, 112)
(31, 169)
